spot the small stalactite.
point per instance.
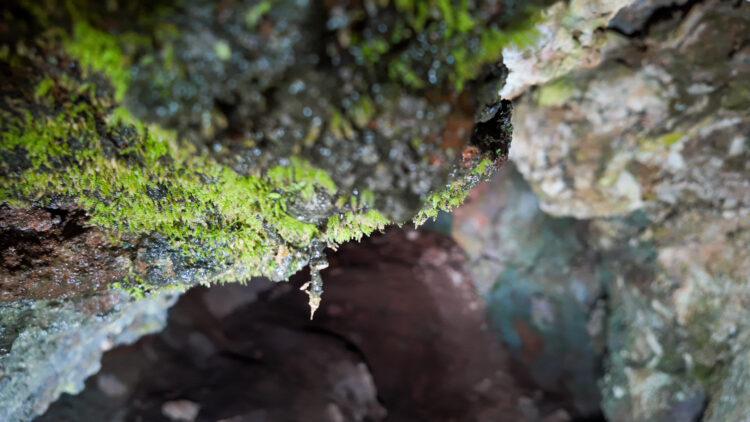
(314, 287)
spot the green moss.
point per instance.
(225, 211)
(455, 193)
(141, 180)
(153, 184)
(401, 71)
(138, 291)
(520, 34)
(367, 198)
(445, 200)
(43, 87)
(42, 138)
(340, 127)
(463, 28)
(455, 15)
(483, 168)
(100, 51)
(351, 225)
(157, 185)
(137, 288)
(301, 177)
(373, 49)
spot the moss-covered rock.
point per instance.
(240, 139)
(144, 149)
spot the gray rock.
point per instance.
(51, 347)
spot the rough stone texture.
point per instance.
(49, 253)
(648, 152)
(569, 36)
(732, 401)
(56, 345)
(633, 131)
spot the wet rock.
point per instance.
(732, 401)
(678, 304)
(635, 18)
(55, 345)
(49, 253)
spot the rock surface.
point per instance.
(569, 36)
(647, 152)
(55, 346)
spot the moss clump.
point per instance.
(455, 38)
(353, 225)
(100, 51)
(146, 188)
(301, 177)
